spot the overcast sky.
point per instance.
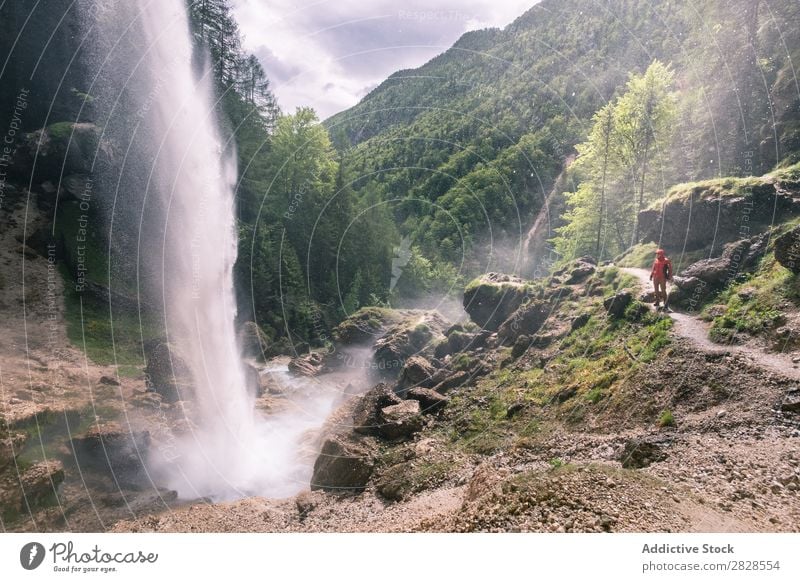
(328, 54)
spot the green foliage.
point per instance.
(625, 147)
(666, 419)
(463, 362)
(756, 306)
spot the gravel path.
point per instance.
(696, 331)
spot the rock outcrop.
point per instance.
(787, 249)
(254, 342)
(63, 149)
(492, 298)
(400, 421)
(616, 305)
(412, 336)
(308, 365)
(718, 212)
(344, 464)
(367, 411)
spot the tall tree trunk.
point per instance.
(602, 198)
(641, 193)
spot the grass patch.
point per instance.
(463, 362)
(107, 340)
(756, 305)
(514, 406)
(639, 256)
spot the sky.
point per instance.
(328, 54)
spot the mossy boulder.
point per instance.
(526, 320)
(492, 298)
(366, 325)
(416, 335)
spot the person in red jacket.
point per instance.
(659, 275)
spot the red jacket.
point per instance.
(662, 270)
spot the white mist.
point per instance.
(228, 451)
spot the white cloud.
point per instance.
(329, 53)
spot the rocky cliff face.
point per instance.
(707, 215)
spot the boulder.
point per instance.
(579, 321)
(787, 249)
(430, 401)
(306, 502)
(367, 411)
(42, 480)
(417, 371)
(108, 381)
(76, 184)
(452, 380)
(343, 465)
(253, 340)
(457, 341)
(366, 325)
(492, 298)
(394, 484)
(413, 336)
(580, 271)
(642, 452)
(258, 383)
(526, 320)
(108, 448)
(400, 421)
(166, 372)
(565, 394)
(616, 304)
(308, 365)
(521, 346)
(702, 278)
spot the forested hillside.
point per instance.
(467, 146)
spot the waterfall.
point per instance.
(175, 201)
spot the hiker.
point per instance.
(659, 275)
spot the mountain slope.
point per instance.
(465, 148)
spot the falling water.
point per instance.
(180, 188)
